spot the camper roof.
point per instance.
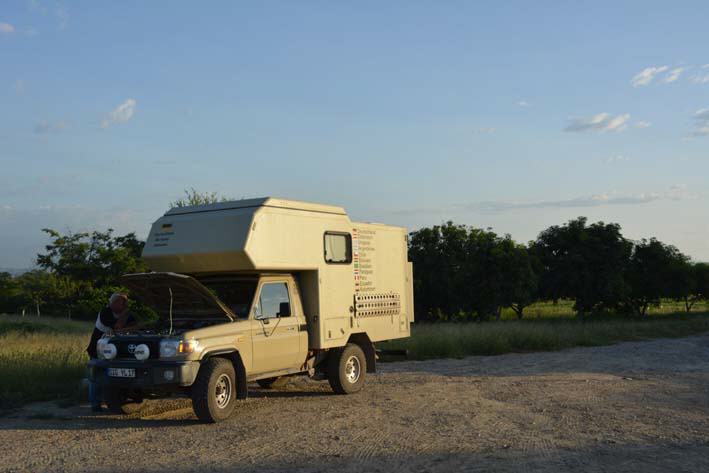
(259, 202)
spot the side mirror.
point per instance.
(284, 309)
(260, 317)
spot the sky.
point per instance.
(506, 115)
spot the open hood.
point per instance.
(190, 299)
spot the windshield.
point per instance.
(236, 294)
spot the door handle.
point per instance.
(290, 328)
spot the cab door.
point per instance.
(275, 328)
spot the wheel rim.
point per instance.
(352, 369)
(223, 391)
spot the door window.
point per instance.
(273, 301)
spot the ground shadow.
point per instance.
(80, 417)
(620, 458)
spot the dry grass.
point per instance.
(41, 359)
(456, 340)
(44, 358)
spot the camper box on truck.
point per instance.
(256, 289)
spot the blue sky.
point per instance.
(514, 116)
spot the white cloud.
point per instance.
(44, 127)
(701, 123)
(673, 75)
(675, 192)
(601, 122)
(702, 114)
(524, 103)
(484, 131)
(120, 114)
(59, 12)
(38, 7)
(19, 86)
(617, 158)
(701, 131)
(700, 79)
(646, 76)
(643, 124)
(680, 192)
(62, 17)
(6, 28)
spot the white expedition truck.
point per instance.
(254, 290)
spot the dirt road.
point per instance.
(629, 407)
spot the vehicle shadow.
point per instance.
(276, 394)
(154, 413)
(98, 422)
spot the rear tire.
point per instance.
(214, 391)
(346, 368)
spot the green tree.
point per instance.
(484, 275)
(84, 268)
(36, 287)
(11, 297)
(98, 258)
(654, 271)
(584, 263)
(194, 197)
(461, 271)
(692, 284)
(438, 255)
(519, 285)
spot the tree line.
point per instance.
(79, 271)
(74, 277)
(460, 272)
(468, 273)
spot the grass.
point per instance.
(564, 309)
(41, 359)
(456, 340)
(44, 359)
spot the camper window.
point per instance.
(338, 248)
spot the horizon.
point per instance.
(512, 117)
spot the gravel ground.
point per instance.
(627, 407)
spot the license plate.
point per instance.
(121, 372)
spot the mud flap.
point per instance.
(242, 390)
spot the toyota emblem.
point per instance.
(131, 348)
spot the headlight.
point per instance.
(107, 351)
(142, 352)
(99, 346)
(168, 348)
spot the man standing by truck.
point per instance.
(114, 316)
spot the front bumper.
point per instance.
(149, 374)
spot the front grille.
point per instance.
(124, 348)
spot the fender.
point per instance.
(242, 390)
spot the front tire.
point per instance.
(214, 391)
(346, 369)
